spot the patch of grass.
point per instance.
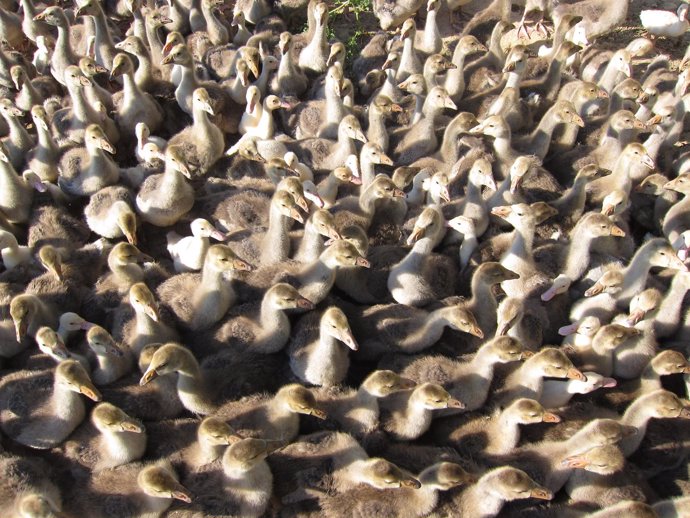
(351, 22)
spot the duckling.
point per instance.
(467, 380)
(274, 417)
(110, 213)
(201, 300)
(406, 502)
(117, 439)
(134, 105)
(318, 359)
(357, 411)
(400, 328)
(84, 171)
(528, 379)
(43, 416)
(164, 198)
(144, 490)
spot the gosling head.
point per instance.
(529, 411)
(670, 362)
(428, 224)
(324, 223)
(216, 432)
(283, 296)
(123, 254)
(72, 322)
(122, 64)
(445, 476)
(170, 358)
(160, 482)
(95, 137)
(507, 349)
(286, 205)
(343, 253)
(34, 505)
(384, 382)
(351, 128)
(50, 343)
(604, 460)
(142, 301)
(22, 310)
(107, 418)
(554, 363)
(71, 374)
(381, 474)
(462, 319)
(334, 323)
(433, 397)
(222, 258)
(51, 259)
(293, 185)
(514, 484)
(300, 400)
(102, 343)
(492, 273)
(245, 454)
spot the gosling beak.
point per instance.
(648, 161)
(20, 327)
(302, 203)
(207, 108)
(396, 108)
(148, 376)
(576, 119)
(217, 235)
(548, 417)
(549, 294)
(90, 392)
(412, 483)
(602, 94)
(168, 58)
(361, 261)
(182, 494)
(609, 382)
(575, 462)
(515, 184)
(333, 234)
(635, 317)
(444, 194)
(568, 330)
(455, 403)
(40, 17)
(359, 135)
(575, 374)
(107, 146)
(319, 414)
(355, 180)
(295, 214)
(448, 103)
(239, 264)
(132, 426)
(398, 193)
(61, 351)
(349, 340)
(385, 160)
(596, 289)
(541, 493)
(501, 212)
(617, 231)
(475, 331)
(152, 312)
(406, 383)
(526, 355)
(130, 236)
(303, 303)
(416, 235)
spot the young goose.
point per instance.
(63, 55)
(17, 195)
(420, 139)
(407, 414)
(676, 219)
(665, 23)
(50, 344)
(134, 105)
(466, 380)
(313, 57)
(399, 328)
(28, 490)
(124, 262)
(12, 253)
(202, 143)
(188, 253)
(164, 198)
(537, 143)
(316, 357)
(380, 109)
(43, 159)
(326, 463)
(264, 327)
(499, 433)
(557, 393)
(599, 357)
(360, 210)
(528, 379)
(110, 214)
(290, 79)
(133, 489)
(486, 497)
(30, 312)
(357, 411)
(320, 224)
(117, 439)
(455, 78)
(84, 171)
(41, 416)
(592, 479)
(657, 404)
(113, 362)
(275, 417)
(422, 277)
(406, 502)
(201, 300)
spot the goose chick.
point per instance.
(276, 417)
(407, 502)
(407, 414)
(110, 214)
(316, 357)
(84, 171)
(112, 439)
(188, 253)
(113, 362)
(41, 416)
(130, 490)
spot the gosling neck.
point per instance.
(429, 330)
(505, 432)
(67, 404)
(276, 244)
(578, 256)
(668, 316)
(275, 328)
